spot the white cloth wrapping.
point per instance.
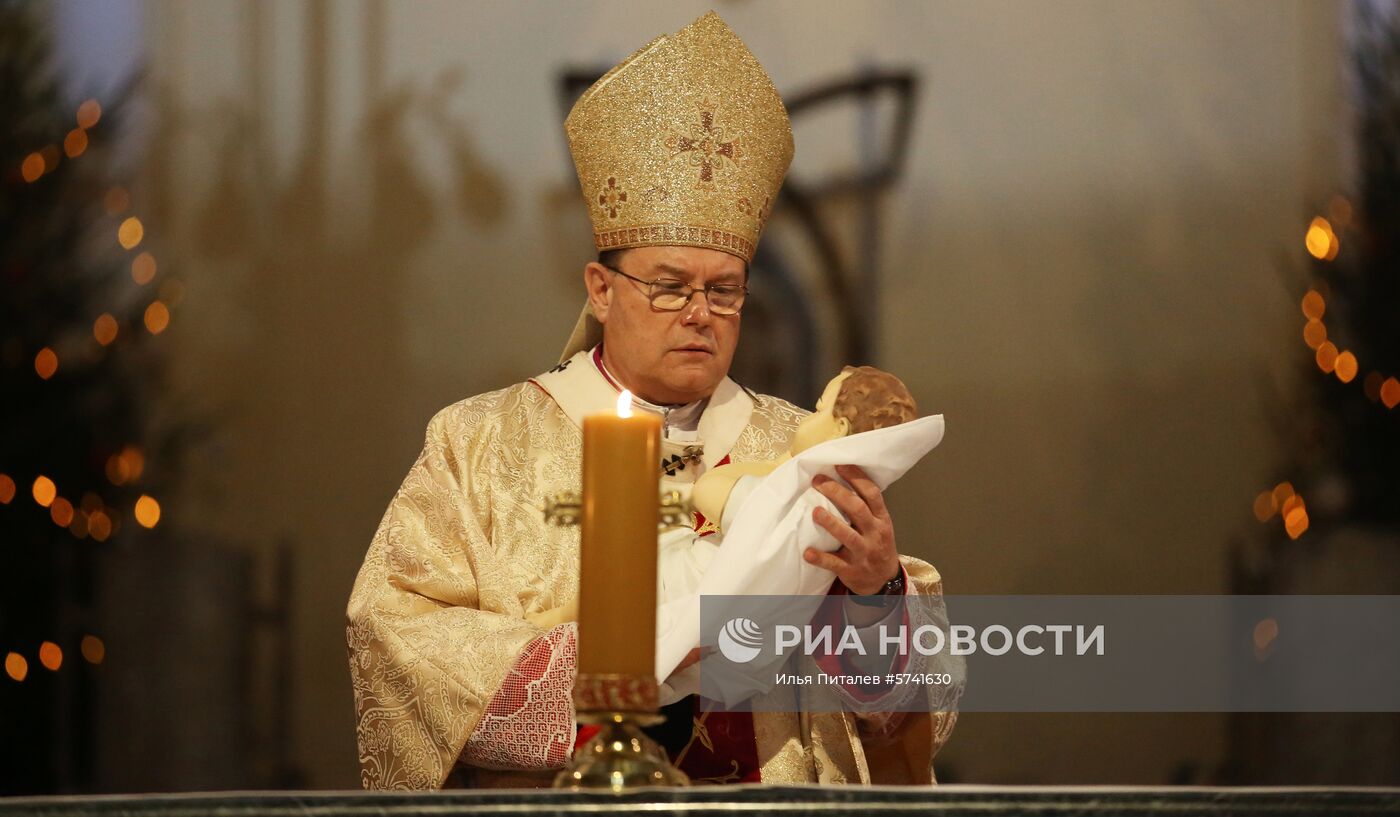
(761, 553)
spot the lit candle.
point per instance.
(617, 579)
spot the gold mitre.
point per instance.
(684, 142)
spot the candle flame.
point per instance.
(624, 404)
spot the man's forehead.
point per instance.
(684, 271)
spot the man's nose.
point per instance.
(697, 309)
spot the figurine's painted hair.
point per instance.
(872, 398)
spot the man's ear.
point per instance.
(597, 280)
(844, 426)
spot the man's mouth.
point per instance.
(694, 348)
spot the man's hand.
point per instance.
(867, 557)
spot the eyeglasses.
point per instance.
(671, 296)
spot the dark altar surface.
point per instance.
(790, 801)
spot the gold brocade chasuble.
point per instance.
(437, 633)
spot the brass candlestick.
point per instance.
(620, 757)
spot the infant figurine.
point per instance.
(860, 398)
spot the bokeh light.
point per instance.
(93, 649)
(99, 526)
(104, 329)
(1314, 333)
(1314, 305)
(143, 268)
(130, 233)
(157, 317)
(1295, 522)
(7, 489)
(147, 511)
(61, 511)
(16, 667)
(1321, 241)
(1390, 392)
(88, 113)
(45, 492)
(51, 656)
(75, 143)
(1264, 507)
(32, 167)
(1326, 356)
(1345, 367)
(46, 363)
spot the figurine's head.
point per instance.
(860, 398)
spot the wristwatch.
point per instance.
(893, 587)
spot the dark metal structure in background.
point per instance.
(800, 324)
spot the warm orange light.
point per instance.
(44, 491)
(16, 667)
(79, 527)
(157, 317)
(46, 363)
(88, 113)
(50, 656)
(1314, 305)
(1296, 522)
(116, 201)
(1264, 506)
(143, 268)
(1318, 239)
(1390, 392)
(147, 511)
(1372, 386)
(1282, 492)
(61, 511)
(104, 329)
(99, 526)
(1345, 367)
(1314, 333)
(117, 470)
(93, 649)
(1289, 504)
(135, 461)
(1326, 356)
(75, 143)
(32, 167)
(7, 489)
(130, 233)
(1321, 241)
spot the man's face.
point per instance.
(666, 357)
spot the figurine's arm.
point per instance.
(712, 489)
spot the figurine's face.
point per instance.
(666, 357)
(822, 424)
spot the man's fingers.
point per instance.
(837, 527)
(830, 561)
(855, 508)
(865, 487)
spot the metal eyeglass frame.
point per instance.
(689, 293)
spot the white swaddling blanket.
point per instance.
(761, 553)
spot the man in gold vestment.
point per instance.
(462, 659)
